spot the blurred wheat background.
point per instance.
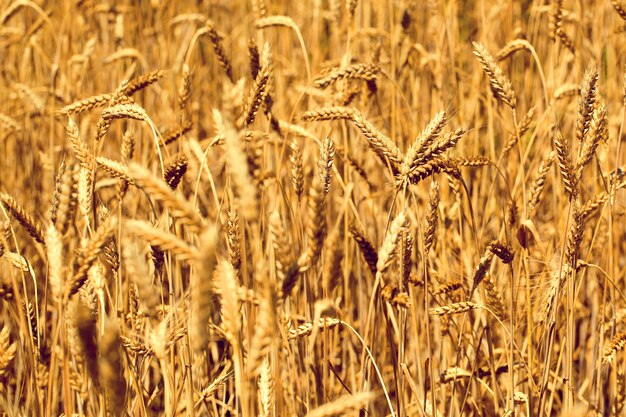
(318, 208)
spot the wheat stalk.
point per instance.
(24, 219)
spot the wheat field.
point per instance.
(318, 208)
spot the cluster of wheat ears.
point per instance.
(319, 208)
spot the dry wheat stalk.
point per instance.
(25, 220)
(381, 144)
(184, 91)
(111, 253)
(616, 344)
(511, 47)
(87, 104)
(501, 250)
(316, 221)
(157, 255)
(89, 254)
(431, 217)
(566, 40)
(79, 147)
(447, 288)
(586, 103)
(325, 164)
(209, 391)
(180, 209)
(135, 347)
(407, 253)
(621, 11)
(366, 72)
(255, 60)
(566, 166)
(548, 303)
(7, 353)
(127, 151)
(471, 161)
(540, 181)
(233, 239)
(297, 175)
(56, 194)
(556, 18)
(258, 93)
(175, 170)
(115, 169)
(306, 329)
(493, 297)
(391, 294)
(19, 262)
(500, 85)
(125, 111)
(592, 205)
(574, 236)
(282, 254)
(218, 49)
(365, 246)
(64, 201)
(266, 389)
(431, 167)
(141, 82)
(120, 111)
(85, 194)
(425, 140)
(482, 268)
(174, 134)
(455, 308)
(596, 132)
(388, 250)
(54, 251)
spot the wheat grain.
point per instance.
(297, 176)
(137, 84)
(616, 344)
(365, 246)
(568, 173)
(218, 49)
(90, 253)
(175, 170)
(86, 104)
(24, 219)
(366, 72)
(500, 85)
(54, 247)
(455, 308)
(387, 251)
